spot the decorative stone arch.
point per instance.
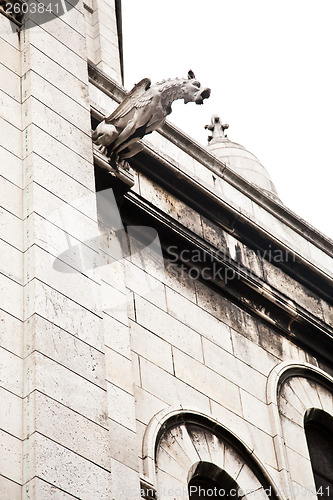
(294, 389)
(179, 442)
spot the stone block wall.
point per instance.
(103, 37)
(11, 267)
(193, 349)
(54, 411)
(102, 340)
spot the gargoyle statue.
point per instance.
(143, 110)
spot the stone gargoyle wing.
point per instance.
(133, 100)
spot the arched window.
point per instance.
(319, 435)
(194, 454)
(209, 481)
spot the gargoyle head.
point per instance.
(194, 92)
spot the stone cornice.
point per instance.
(245, 289)
(204, 201)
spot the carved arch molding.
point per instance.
(176, 441)
(294, 391)
(188, 443)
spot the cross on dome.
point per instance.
(217, 128)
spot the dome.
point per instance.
(238, 158)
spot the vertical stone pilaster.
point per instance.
(103, 37)
(65, 431)
(113, 248)
(11, 275)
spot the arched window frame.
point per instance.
(168, 418)
(291, 474)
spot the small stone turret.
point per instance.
(237, 157)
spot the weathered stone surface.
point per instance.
(235, 370)
(11, 198)
(11, 229)
(146, 405)
(198, 319)
(58, 76)
(70, 472)
(124, 446)
(170, 205)
(237, 199)
(10, 83)
(10, 457)
(51, 304)
(62, 215)
(10, 109)
(11, 262)
(41, 143)
(171, 152)
(114, 303)
(11, 333)
(102, 28)
(300, 468)
(119, 370)
(67, 29)
(121, 407)
(168, 328)
(297, 292)
(124, 481)
(145, 285)
(10, 167)
(72, 430)
(66, 349)
(321, 259)
(55, 125)
(175, 391)
(247, 432)
(10, 54)
(34, 85)
(291, 433)
(42, 490)
(102, 102)
(168, 484)
(55, 50)
(9, 490)
(69, 389)
(10, 138)
(328, 312)
(11, 414)
(11, 296)
(61, 185)
(226, 311)
(150, 346)
(116, 336)
(206, 381)
(252, 354)
(71, 283)
(256, 411)
(111, 271)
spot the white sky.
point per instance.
(269, 65)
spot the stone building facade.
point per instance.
(166, 330)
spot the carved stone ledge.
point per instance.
(122, 171)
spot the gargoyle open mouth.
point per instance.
(203, 95)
